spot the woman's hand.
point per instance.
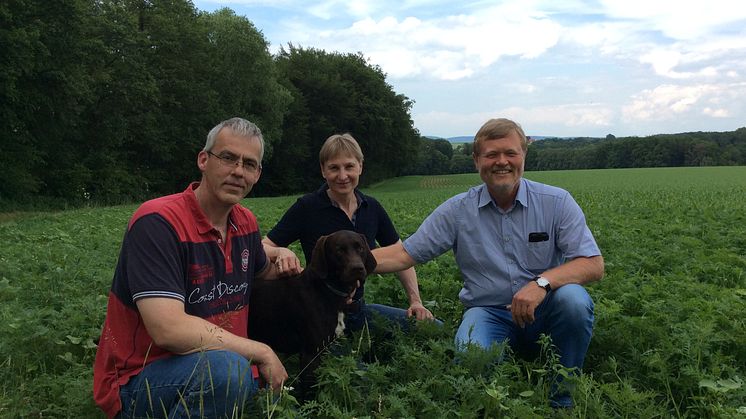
(287, 262)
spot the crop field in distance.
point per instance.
(669, 338)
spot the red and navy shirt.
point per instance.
(171, 250)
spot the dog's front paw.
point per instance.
(339, 330)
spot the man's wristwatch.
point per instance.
(543, 283)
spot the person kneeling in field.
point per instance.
(524, 251)
(339, 205)
(174, 342)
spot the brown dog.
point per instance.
(302, 314)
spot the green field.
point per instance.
(669, 340)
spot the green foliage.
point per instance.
(109, 101)
(669, 150)
(669, 337)
(433, 158)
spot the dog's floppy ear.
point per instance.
(370, 260)
(318, 260)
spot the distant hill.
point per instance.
(469, 138)
(453, 140)
(461, 139)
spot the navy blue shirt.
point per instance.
(314, 215)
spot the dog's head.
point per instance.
(343, 259)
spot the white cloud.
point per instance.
(706, 59)
(678, 19)
(662, 102)
(670, 101)
(608, 37)
(525, 88)
(665, 62)
(595, 66)
(571, 119)
(328, 10)
(716, 113)
(697, 40)
(448, 48)
(568, 115)
(407, 43)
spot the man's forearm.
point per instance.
(581, 270)
(176, 331)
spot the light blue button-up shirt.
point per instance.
(495, 249)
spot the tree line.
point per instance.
(109, 100)
(439, 157)
(665, 150)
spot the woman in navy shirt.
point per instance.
(339, 205)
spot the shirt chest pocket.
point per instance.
(538, 256)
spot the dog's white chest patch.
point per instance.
(340, 324)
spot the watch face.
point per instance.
(542, 282)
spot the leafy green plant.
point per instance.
(668, 341)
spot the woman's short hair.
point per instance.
(340, 145)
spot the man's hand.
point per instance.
(272, 370)
(419, 311)
(525, 302)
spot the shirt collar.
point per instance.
(484, 196)
(521, 197)
(322, 193)
(203, 224)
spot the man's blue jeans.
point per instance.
(566, 315)
(213, 384)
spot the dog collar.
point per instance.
(335, 291)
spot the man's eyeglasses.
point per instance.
(231, 160)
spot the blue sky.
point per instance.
(558, 67)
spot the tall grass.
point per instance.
(669, 341)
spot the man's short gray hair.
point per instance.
(240, 127)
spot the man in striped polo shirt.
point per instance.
(174, 342)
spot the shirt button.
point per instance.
(507, 239)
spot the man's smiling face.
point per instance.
(500, 163)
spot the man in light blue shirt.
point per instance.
(524, 251)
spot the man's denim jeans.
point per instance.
(566, 315)
(212, 384)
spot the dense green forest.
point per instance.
(108, 101)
